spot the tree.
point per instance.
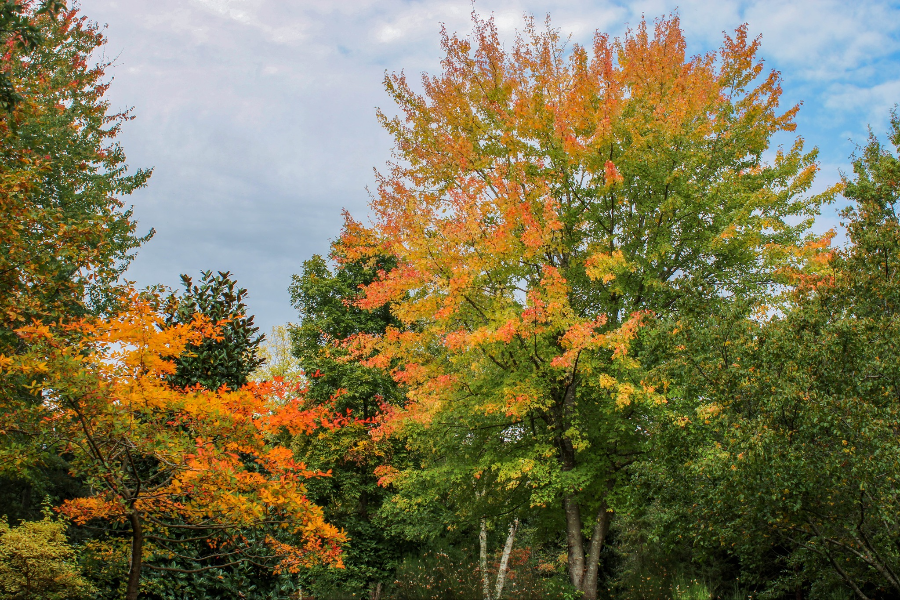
(542, 203)
(161, 460)
(789, 419)
(229, 359)
(65, 234)
(66, 237)
(212, 363)
(324, 297)
(36, 562)
(279, 362)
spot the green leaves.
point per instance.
(788, 421)
(226, 361)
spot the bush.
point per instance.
(36, 562)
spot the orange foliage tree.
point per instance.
(162, 461)
(544, 201)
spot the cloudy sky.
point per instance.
(258, 116)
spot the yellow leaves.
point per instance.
(606, 267)
(624, 394)
(606, 381)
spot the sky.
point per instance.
(258, 116)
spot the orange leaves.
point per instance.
(611, 174)
(386, 475)
(212, 451)
(578, 338)
(82, 510)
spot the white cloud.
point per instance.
(874, 103)
(243, 11)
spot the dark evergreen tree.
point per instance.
(214, 363)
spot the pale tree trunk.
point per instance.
(584, 573)
(504, 559)
(574, 542)
(137, 548)
(482, 545)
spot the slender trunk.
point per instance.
(504, 559)
(137, 544)
(482, 545)
(601, 528)
(375, 592)
(574, 542)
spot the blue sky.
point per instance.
(258, 116)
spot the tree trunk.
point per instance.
(574, 542)
(375, 592)
(482, 545)
(504, 559)
(601, 528)
(137, 545)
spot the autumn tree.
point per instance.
(788, 421)
(544, 200)
(161, 461)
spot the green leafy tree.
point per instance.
(228, 361)
(786, 444)
(352, 498)
(66, 235)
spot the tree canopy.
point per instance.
(544, 203)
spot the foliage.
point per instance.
(18, 27)
(275, 352)
(450, 573)
(543, 204)
(37, 563)
(65, 235)
(227, 359)
(352, 498)
(788, 421)
(160, 459)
